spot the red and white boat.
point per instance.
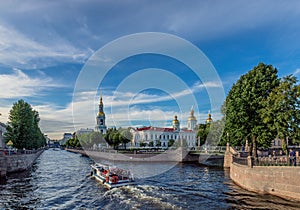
(111, 176)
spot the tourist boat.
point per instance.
(111, 176)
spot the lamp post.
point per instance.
(227, 145)
(9, 144)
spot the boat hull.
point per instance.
(108, 180)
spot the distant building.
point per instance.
(52, 143)
(100, 119)
(84, 131)
(161, 136)
(276, 143)
(2, 131)
(65, 138)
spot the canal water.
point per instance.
(60, 180)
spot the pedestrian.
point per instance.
(292, 156)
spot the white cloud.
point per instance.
(297, 71)
(118, 113)
(19, 84)
(16, 49)
(121, 98)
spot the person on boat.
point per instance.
(114, 178)
(107, 176)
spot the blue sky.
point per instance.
(45, 44)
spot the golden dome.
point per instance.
(209, 119)
(175, 119)
(100, 113)
(192, 118)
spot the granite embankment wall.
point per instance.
(282, 181)
(179, 155)
(17, 162)
(211, 159)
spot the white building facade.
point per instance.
(162, 136)
(84, 131)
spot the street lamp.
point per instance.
(9, 144)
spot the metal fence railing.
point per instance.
(277, 161)
(267, 161)
(20, 151)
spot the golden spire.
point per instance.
(100, 112)
(101, 97)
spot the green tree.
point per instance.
(151, 144)
(107, 136)
(171, 142)
(203, 130)
(85, 140)
(215, 132)
(244, 103)
(282, 110)
(158, 143)
(125, 136)
(211, 133)
(97, 138)
(143, 144)
(116, 139)
(73, 143)
(22, 128)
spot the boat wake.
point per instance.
(142, 196)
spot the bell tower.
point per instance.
(176, 124)
(100, 127)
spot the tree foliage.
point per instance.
(244, 103)
(281, 110)
(23, 127)
(92, 139)
(125, 136)
(210, 133)
(203, 130)
(73, 142)
(116, 137)
(262, 107)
